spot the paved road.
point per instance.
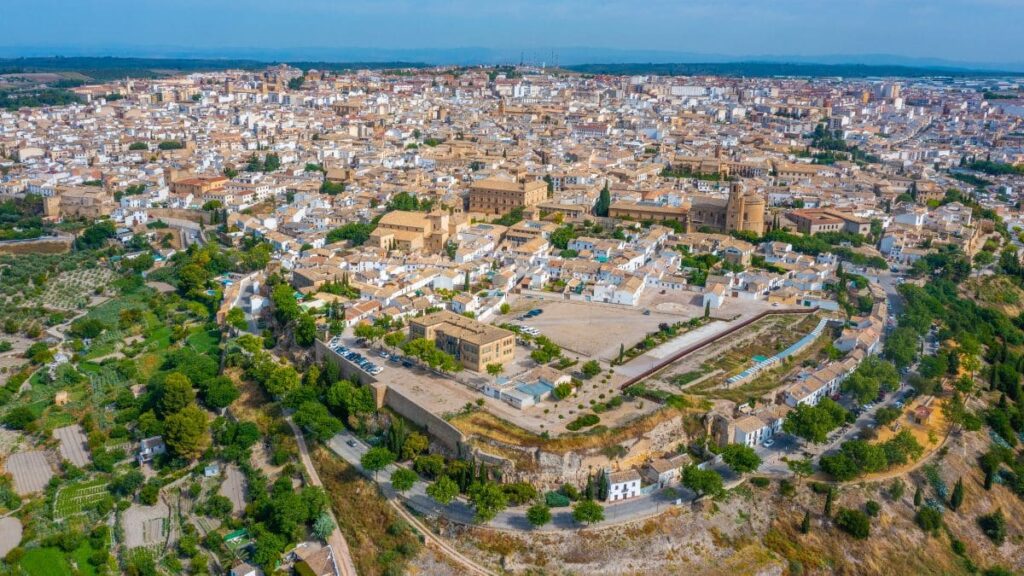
(342, 555)
(460, 511)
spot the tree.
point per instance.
(305, 331)
(813, 423)
(994, 526)
(591, 368)
(19, 418)
(150, 492)
(415, 444)
(604, 202)
(323, 526)
(929, 519)
(495, 369)
(887, 415)
(956, 499)
(220, 392)
(854, 522)
(177, 393)
(561, 237)
(702, 481)
(801, 468)
(588, 512)
(313, 417)
(126, 484)
(443, 490)
(805, 525)
(394, 339)
(741, 458)
(185, 432)
(267, 550)
(896, 489)
(236, 319)
(538, 515)
(403, 479)
(829, 498)
(377, 459)
(488, 500)
(371, 332)
(917, 497)
(872, 508)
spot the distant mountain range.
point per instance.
(565, 56)
(590, 60)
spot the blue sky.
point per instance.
(959, 30)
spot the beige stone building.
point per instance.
(416, 231)
(88, 202)
(473, 343)
(740, 211)
(496, 196)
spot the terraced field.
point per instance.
(75, 498)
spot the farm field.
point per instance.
(45, 562)
(74, 290)
(75, 498)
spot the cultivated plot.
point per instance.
(31, 471)
(73, 445)
(146, 525)
(73, 499)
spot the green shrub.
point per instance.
(854, 522)
(556, 500)
(583, 421)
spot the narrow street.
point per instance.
(342, 555)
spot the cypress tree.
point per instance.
(588, 492)
(603, 486)
(805, 526)
(828, 503)
(989, 477)
(917, 497)
(957, 498)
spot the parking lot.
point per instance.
(368, 360)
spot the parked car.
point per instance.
(768, 443)
(351, 443)
(383, 354)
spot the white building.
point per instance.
(623, 485)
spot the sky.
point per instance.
(976, 31)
